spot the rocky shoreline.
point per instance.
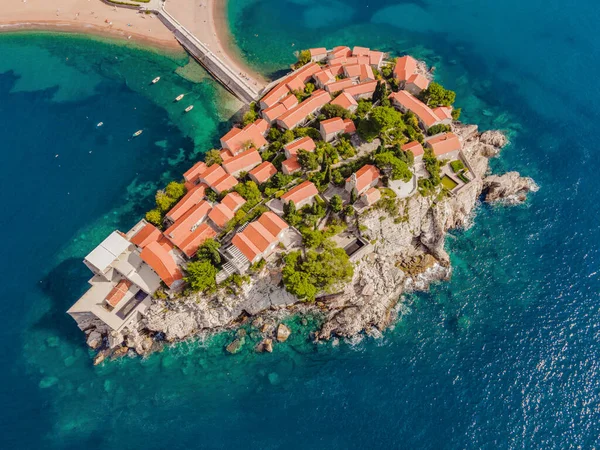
(407, 255)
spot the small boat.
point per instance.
(156, 80)
(189, 108)
(100, 124)
(137, 133)
(179, 97)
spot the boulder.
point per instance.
(94, 340)
(101, 356)
(236, 345)
(266, 345)
(119, 352)
(283, 333)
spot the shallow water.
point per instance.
(503, 356)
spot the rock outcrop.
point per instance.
(510, 188)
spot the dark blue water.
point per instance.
(503, 356)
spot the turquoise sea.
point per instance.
(505, 355)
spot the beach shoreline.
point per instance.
(86, 17)
(208, 22)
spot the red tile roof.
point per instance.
(193, 197)
(290, 165)
(273, 223)
(290, 101)
(274, 111)
(371, 195)
(422, 111)
(281, 90)
(233, 201)
(195, 171)
(364, 176)
(242, 162)
(302, 192)
(349, 126)
(304, 143)
(415, 147)
(375, 58)
(295, 84)
(339, 85)
(344, 100)
(182, 228)
(324, 76)
(317, 52)
(239, 139)
(262, 172)
(259, 235)
(361, 51)
(149, 233)
(225, 154)
(118, 292)
(334, 125)
(224, 184)
(421, 81)
(362, 88)
(296, 115)
(196, 238)
(220, 215)
(405, 67)
(162, 262)
(443, 143)
(340, 51)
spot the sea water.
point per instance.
(502, 356)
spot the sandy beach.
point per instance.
(88, 17)
(207, 20)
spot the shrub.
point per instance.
(213, 157)
(336, 203)
(439, 128)
(457, 165)
(209, 251)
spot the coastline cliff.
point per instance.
(407, 255)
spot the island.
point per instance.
(331, 198)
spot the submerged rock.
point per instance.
(494, 138)
(236, 345)
(283, 333)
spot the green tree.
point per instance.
(250, 192)
(249, 117)
(287, 137)
(456, 113)
(309, 88)
(432, 164)
(155, 217)
(175, 190)
(399, 168)
(211, 195)
(308, 160)
(364, 108)
(213, 157)
(306, 276)
(439, 128)
(336, 203)
(303, 59)
(381, 92)
(311, 238)
(330, 111)
(337, 177)
(201, 276)
(164, 202)
(209, 251)
(290, 214)
(435, 95)
(345, 148)
(274, 134)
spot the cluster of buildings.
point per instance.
(129, 268)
